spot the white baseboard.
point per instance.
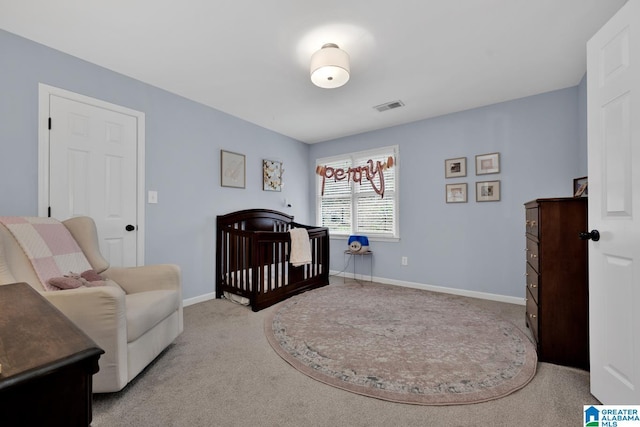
(445, 290)
(365, 278)
(202, 298)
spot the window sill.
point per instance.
(371, 239)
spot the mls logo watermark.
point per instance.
(611, 415)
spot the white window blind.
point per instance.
(349, 207)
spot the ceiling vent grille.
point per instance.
(389, 106)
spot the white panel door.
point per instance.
(92, 172)
(613, 73)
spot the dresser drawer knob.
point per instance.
(533, 316)
(533, 286)
(534, 256)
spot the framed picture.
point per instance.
(271, 175)
(487, 191)
(487, 163)
(456, 193)
(232, 169)
(454, 168)
(580, 187)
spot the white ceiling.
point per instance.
(250, 58)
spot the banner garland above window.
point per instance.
(369, 171)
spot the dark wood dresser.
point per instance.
(47, 363)
(557, 280)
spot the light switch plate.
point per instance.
(152, 197)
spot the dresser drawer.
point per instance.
(533, 280)
(532, 221)
(532, 254)
(532, 316)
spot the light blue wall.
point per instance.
(582, 127)
(183, 142)
(472, 246)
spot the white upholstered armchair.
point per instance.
(133, 316)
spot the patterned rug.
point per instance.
(401, 344)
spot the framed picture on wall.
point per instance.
(454, 168)
(487, 163)
(271, 175)
(487, 191)
(232, 169)
(580, 187)
(456, 193)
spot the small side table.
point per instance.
(355, 256)
(47, 362)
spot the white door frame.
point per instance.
(44, 92)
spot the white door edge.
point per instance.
(44, 92)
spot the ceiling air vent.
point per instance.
(389, 105)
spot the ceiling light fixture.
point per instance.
(330, 67)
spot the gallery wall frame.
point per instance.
(456, 193)
(455, 168)
(232, 169)
(271, 175)
(487, 191)
(487, 163)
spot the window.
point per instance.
(348, 202)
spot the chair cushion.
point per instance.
(146, 309)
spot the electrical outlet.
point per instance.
(405, 260)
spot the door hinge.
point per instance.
(49, 123)
(49, 211)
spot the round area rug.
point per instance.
(401, 344)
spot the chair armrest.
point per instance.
(100, 312)
(146, 278)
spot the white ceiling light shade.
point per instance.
(330, 67)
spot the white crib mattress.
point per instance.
(239, 276)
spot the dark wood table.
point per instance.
(47, 362)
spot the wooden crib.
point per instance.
(252, 257)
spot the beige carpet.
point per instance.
(222, 372)
(401, 344)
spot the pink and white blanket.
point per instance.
(49, 245)
(300, 247)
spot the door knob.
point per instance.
(593, 235)
(130, 227)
